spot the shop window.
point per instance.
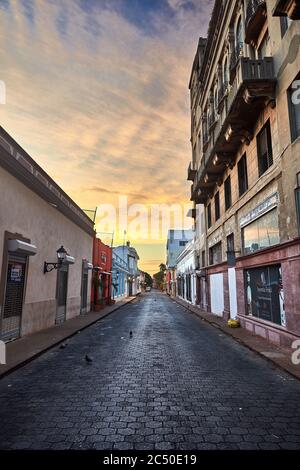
(215, 254)
(217, 206)
(294, 108)
(264, 149)
(227, 190)
(243, 175)
(209, 215)
(261, 233)
(264, 294)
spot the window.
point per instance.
(215, 254)
(294, 108)
(209, 215)
(285, 23)
(203, 259)
(243, 175)
(217, 205)
(182, 243)
(227, 190)
(264, 149)
(261, 233)
(264, 294)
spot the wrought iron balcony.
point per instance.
(253, 87)
(191, 173)
(255, 18)
(290, 8)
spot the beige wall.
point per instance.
(22, 211)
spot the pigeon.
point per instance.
(63, 346)
(88, 358)
(130, 334)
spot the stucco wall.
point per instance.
(23, 212)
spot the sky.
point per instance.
(97, 93)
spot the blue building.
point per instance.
(120, 273)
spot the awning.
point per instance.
(24, 248)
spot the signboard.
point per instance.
(261, 209)
(16, 273)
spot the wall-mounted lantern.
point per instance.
(62, 258)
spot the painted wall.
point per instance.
(23, 212)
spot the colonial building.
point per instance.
(245, 169)
(102, 274)
(127, 278)
(46, 245)
(177, 240)
(186, 266)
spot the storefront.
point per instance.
(102, 274)
(268, 292)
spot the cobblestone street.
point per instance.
(177, 383)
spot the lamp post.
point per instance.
(62, 258)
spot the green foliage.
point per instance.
(148, 280)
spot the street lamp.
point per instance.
(62, 258)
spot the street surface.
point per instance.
(177, 383)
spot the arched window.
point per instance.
(239, 34)
(225, 72)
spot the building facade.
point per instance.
(245, 168)
(102, 274)
(186, 277)
(176, 242)
(46, 245)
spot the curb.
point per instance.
(56, 343)
(238, 340)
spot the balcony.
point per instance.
(191, 173)
(290, 8)
(252, 89)
(255, 19)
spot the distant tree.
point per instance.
(160, 276)
(148, 280)
(162, 267)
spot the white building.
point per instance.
(41, 283)
(186, 273)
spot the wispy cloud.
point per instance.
(97, 100)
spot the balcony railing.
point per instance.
(255, 18)
(254, 85)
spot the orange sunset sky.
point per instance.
(97, 94)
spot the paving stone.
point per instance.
(175, 385)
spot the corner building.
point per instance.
(245, 169)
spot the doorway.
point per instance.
(62, 289)
(13, 297)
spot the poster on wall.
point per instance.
(264, 294)
(16, 273)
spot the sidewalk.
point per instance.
(23, 350)
(277, 355)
